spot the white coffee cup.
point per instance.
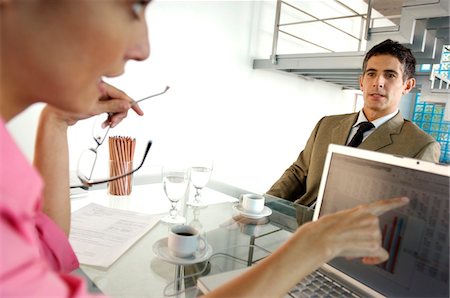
(184, 241)
(253, 203)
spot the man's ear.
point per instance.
(409, 85)
(361, 82)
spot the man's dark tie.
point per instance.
(358, 137)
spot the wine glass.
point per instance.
(196, 223)
(175, 183)
(200, 175)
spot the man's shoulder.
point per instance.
(409, 129)
(339, 117)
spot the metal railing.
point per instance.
(360, 37)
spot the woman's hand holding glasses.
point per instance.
(103, 123)
(114, 103)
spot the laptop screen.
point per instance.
(416, 236)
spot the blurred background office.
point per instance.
(225, 102)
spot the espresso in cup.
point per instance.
(253, 203)
(184, 241)
(185, 234)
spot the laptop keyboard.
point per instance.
(319, 285)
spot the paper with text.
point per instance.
(100, 235)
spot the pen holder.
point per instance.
(121, 186)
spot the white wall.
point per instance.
(253, 122)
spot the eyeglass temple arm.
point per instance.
(110, 114)
(150, 96)
(88, 183)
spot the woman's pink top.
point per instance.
(35, 254)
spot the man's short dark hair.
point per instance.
(393, 48)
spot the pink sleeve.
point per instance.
(24, 272)
(55, 246)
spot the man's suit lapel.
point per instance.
(342, 129)
(381, 137)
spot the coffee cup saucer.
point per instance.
(161, 250)
(265, 212)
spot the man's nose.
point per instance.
(379, 82)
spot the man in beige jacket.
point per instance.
(388, 73)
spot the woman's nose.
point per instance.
(139, 52)
(140, 47)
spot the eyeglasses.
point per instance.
(88, 159)
(88, 182)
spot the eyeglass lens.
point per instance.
(86, 163)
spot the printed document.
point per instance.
(100, 235)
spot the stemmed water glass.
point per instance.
(200, 174)
(175, 184)
(195, 222)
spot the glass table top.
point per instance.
(236, 242)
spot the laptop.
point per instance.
(416, 236)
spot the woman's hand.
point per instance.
(52, 137)
(116, 103)
(353, 233)
(113, 101)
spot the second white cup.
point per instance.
(253, 203)
(184, 241)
